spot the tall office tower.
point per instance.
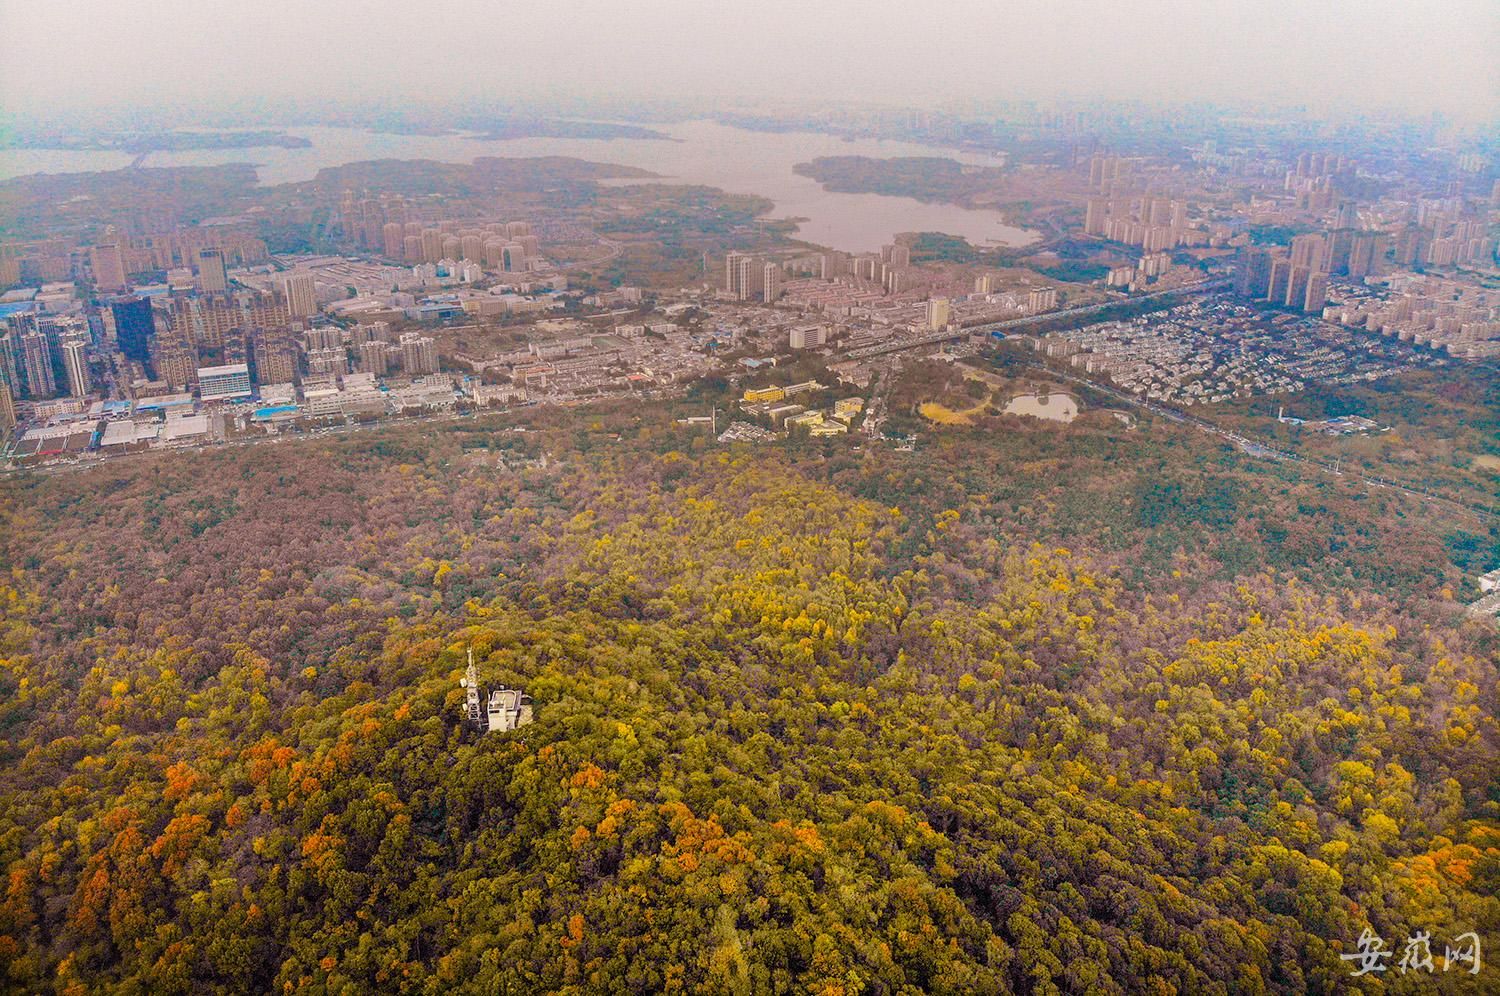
(192, 321)
(1316, 294)
(371, 217)
(1339, 244)
(1364, 250)
(331, 337)
(732, 273)
(1041, 299)
(76, 363)
(1320, 197)
(1309, 251)
(750, 278)
(108, 264)
(210, 324)
(176, 363)
(213, 278)
(1096, 216)
(135, 327)
(1104, 170)
(1410, 245)
(1157, 238)
(1316, 164)
(418, 354)
(1154, 264)
(301, 296)
(770, 282)
(393, 240)
(938, 313)
(349, 215)
(334, 360)
(96, 321)
(1252, 271)
(36, 364)
(371, 357)
(10, 359)
(807, 336)
(10, 350)
(1276, 284)
(273, 356)
(22, 322)
(107, 338)
(7, 406)
(1296, 286)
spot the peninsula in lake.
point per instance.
(158, 141)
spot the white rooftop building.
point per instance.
(222, 383)
(500, 710)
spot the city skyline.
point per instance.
(1337, 57)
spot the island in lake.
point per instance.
(932, 179)
(1028, 198)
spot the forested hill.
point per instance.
(793, 733)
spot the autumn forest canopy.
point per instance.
(1043, 710)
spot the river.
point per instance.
(700, 152)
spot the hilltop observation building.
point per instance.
(496, 709)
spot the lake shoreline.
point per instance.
(698, 153)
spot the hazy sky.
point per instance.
(1415, 55)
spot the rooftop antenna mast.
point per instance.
(471, 687)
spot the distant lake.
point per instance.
(703, 152)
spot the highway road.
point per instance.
(1015, 324)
